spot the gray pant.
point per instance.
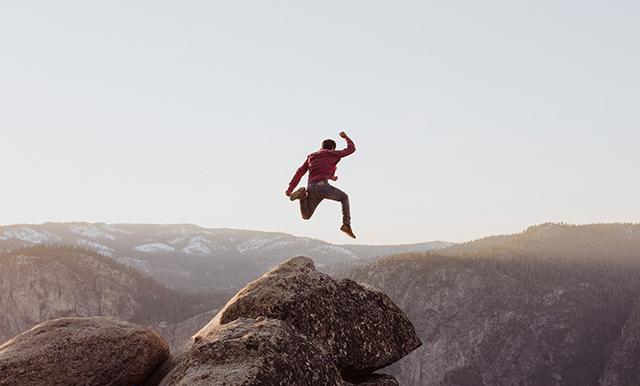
(320, 191)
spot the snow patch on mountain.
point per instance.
(154, 248)
(211, 244)
(137, 263)
(329, 249)
(30, 236)
(203, 246)
(279, 244)
(95, 246)
(197, 248)
(90, 231)
(197, 245)
(181, 231)
(264, 243)
(114, 229)
(177, 240)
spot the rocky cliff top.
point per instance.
(359, 326)
(292, 326)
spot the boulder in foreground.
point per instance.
(81, 351)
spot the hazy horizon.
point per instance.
(470, 119)
(352, 242)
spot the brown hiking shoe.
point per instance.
(298, 194)
(347, 229)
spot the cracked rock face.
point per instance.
(358, 326)
(623, 366)
(254, 352)
(81, 351)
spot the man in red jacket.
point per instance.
(322, 167)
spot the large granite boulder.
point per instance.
(254, 352)
(376, 380)
(81, 351)
(359, 327)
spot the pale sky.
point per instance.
(471, 117)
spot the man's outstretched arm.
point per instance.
(296, 178)
(351, 147)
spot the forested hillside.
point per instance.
(554, 305)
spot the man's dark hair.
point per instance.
(329, 144)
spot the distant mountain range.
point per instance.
(600, 241)
(195, 259)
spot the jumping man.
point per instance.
(322, 167)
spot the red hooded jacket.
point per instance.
(321, 165)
